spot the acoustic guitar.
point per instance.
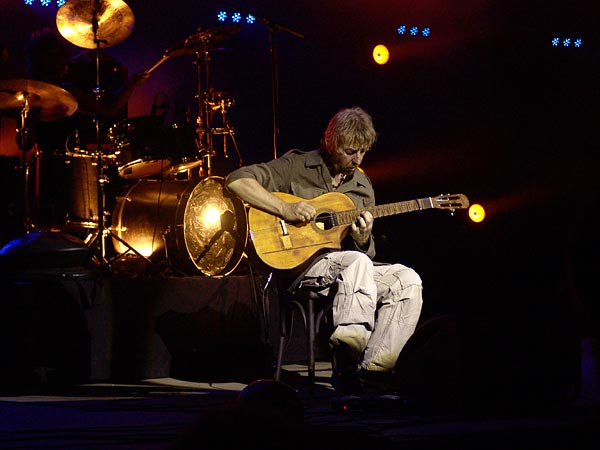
(283, 245)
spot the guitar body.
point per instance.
(284, 245)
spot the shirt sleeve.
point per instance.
(275, 175)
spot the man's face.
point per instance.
(346, 160)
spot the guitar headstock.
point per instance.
(451, 202)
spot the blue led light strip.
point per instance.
(236, 17)
(413, 31)
(59, 3)
(566, 42)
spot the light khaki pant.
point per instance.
(375, 307)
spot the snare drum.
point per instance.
(142, 146)
(192, 224)
(186, 154)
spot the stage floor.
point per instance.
(164, 352)
(152, 414)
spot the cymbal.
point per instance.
(49, 101)
(203, 39)
(76, 19)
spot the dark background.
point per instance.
(485, 106)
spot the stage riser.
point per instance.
(132, 328)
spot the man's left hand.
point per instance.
(360, 229)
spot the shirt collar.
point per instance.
(315, 159)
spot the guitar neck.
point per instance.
(390, 209)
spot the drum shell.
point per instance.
(161, 219)
(64, 191)
(82, 208)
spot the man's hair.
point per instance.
(350, 127)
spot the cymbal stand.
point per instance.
(104, 231)
(22, 132)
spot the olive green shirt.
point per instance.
(305, 175)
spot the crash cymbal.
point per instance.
(203, 40)
(76, 22)
(50, 102)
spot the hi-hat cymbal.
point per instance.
(111, 19)
(203, 39)
(50, 102)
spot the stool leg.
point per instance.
(279, 358)
(282, 339)
(311, 342)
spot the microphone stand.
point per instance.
(273, 28)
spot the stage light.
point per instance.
(381, 54)
(250, 19)
(476, 212)
(222, 16)
(211, 216)
(236, 17)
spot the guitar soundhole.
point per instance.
(325, 221)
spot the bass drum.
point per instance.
(194, 225)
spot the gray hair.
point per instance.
(350, 127)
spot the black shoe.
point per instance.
(344, 378)
(375, 382)
(346, 382)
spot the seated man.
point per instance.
(376, 307)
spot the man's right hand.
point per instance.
(298, 212)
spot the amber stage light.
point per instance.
(476, 212)
(381, 54)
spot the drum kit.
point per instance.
(175, 208)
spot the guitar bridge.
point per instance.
(285, 238)
(284, 229)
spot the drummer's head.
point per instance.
(47, 56)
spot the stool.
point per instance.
(313, 308)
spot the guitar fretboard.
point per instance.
(349, 216)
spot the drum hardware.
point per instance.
(94, 24)
(46, 103)
(221, 102)
(201, 45)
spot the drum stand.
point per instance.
(103, 232)
(222, 104)
(206, 108)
